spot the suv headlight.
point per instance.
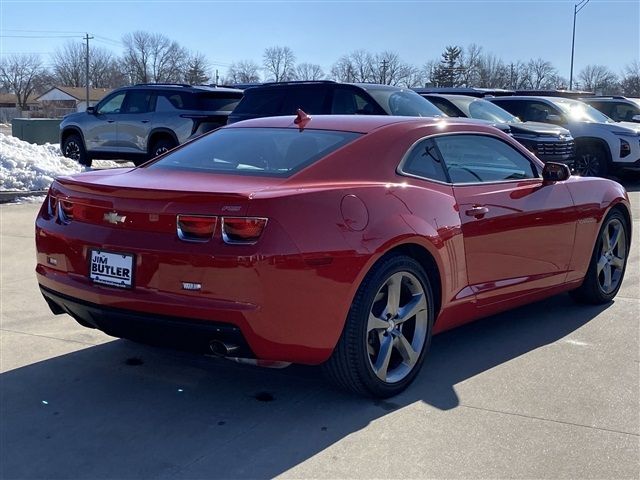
(625, 148)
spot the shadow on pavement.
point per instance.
(122, 410)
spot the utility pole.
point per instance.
(384, 71)
(86, 68)
(576, 9)
(217, 77)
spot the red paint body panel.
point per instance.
(291, 291)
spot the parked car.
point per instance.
(602, 145)
(620, 109)
(328, 97)
(140, 122)
(549, 142)
(343, 240)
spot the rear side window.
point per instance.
(446, 106)
(346, 101)
(424, 161)
(263, 103)
(478, 158)
(215, 102)
(276, 152)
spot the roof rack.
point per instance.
(296, 82)
(167, 84)
(468, 91)
(555, 93)
(616, 97)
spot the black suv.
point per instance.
(328, 97)
(549, 143)
(143, 121)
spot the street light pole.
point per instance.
(576, 8)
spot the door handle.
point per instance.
(477, 211)
(144, 121)
(110, 121)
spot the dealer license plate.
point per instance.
(114, 269)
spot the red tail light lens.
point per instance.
(242, 230)
(196, 228)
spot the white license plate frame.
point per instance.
(112, 269)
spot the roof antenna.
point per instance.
(302, 119)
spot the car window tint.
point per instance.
(310, 99)
(255, 151)
(446, 106)
(624, 112)
(177, 100)
(423, 161)
(538, 112)
(113, 104)
(514, 107)
(215, 102)
(137, 101)
(346, 101)
(264, 103)
(478, 158)
(164, 105)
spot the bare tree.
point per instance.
(491, 72)
(153, 57)
(196, 69)
(387, 68)
(630, 83)
(245, 71)
(470, 63)
(279, 63)
(20, 75)
(69, 67)
(354, 67)
(541, 74)
(68, 64)
(309, 71)
(599, 79)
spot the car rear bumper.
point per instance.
(161, 330)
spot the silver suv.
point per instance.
(140, 122)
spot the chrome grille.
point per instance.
(556, 148)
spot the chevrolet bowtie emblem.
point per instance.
(113, 217)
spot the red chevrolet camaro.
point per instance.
(346, 241)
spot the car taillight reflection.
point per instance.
(242, 230)
(196, 228)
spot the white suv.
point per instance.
(602, 145)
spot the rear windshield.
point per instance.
(276, 152)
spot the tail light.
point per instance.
(242, 230)
(196, 228)
(65, 211)
(52, 203)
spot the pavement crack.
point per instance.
(533, 417)
(47, 336)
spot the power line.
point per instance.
(40, 36)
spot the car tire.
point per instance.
(591, 160)
(161, 146)
(608, 262)
(73, 148)
(380, 350)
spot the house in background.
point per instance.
(9, 107)
(60, 101)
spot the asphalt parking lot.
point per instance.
(550, 390)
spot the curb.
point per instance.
(7, 196)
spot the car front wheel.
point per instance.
(387, 332)
(591, 161)
(73, 148)
(608, 262)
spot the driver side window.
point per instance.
(113, 104)
(478, 158)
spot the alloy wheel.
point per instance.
(587, 165)
(160, 150)
(397, 327)
(612, 256)
(72, 150)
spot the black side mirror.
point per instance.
(555, 172)
(91, 110)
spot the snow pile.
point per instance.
(30, 167)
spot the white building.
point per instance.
(59, 101)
